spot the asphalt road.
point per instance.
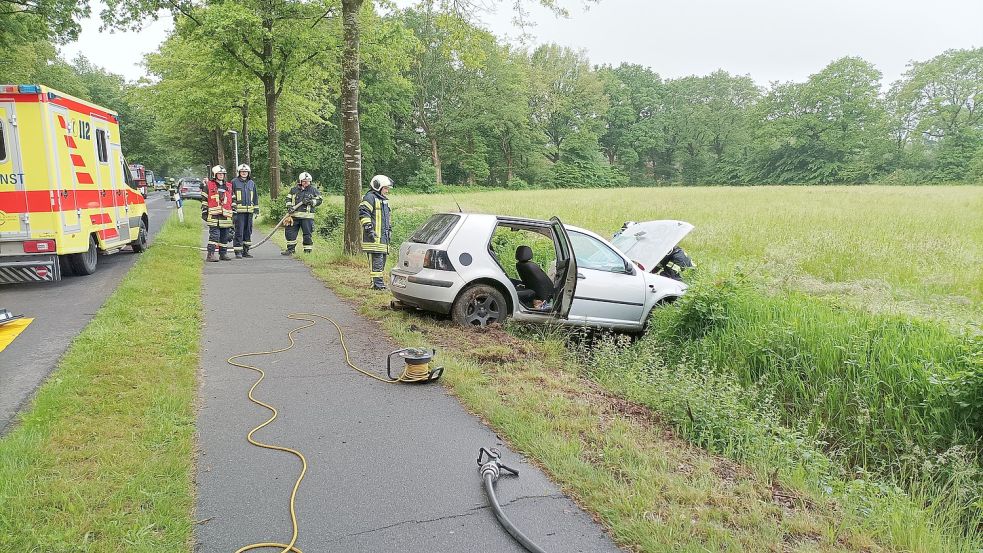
(391, 466)
(60, 311)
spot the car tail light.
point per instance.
(184, 189)
(437, 259)
(39, 246)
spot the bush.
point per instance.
(516, 183)
(425, 179)
(584, 174)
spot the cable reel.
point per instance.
(417, 363)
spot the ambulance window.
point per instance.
(101, 146)
(3, 142)
(127, 176)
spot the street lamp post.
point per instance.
(235, 139)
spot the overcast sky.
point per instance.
(771, 40)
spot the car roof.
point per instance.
(509, 218)
(490, 217)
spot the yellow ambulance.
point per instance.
(66, 193)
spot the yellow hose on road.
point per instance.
(412, 373)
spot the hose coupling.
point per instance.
(490, 463)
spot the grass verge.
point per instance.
(103, 459)
(631, 466)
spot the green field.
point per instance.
(919, 249)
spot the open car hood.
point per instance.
(649, 242)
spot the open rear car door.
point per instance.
(566, 269)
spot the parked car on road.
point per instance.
(190, 188)
(482, 269)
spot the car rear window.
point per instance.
(436, 229)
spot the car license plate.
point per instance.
(399, 281)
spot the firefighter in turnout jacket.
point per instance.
(376, 219)
(247, 206)
(217, 211)
(302, 217)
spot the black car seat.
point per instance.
(532, 275)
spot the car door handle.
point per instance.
(581, 276)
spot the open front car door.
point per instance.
(566, 269)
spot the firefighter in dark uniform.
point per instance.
(247, 206)
(217, 210)
(306, 197)
(376, 219)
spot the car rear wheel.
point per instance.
(85, 263)
(479, 305)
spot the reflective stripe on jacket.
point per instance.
(375, 217)
(298, 195)
(246, 195)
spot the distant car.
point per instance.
(456, 264)
(160, 185)
(190, 188)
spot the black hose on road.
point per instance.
(490, 472)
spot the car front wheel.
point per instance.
(479, 305)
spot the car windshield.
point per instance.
(436, 229)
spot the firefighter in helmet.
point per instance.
(301, 202)
(217, 210)
(376, 219)
(247, 206)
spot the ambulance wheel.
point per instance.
(85, 263)
(66, 265)
(140, 244)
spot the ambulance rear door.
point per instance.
(14, 220)
(63, 144)
(111, 186)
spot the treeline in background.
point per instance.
(444, 102)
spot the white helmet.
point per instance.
(381, 181)
(243, 167)
(218, 169)
(305, 176)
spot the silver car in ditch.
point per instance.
(482, 269)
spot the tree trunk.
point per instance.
(272, 135)
(220, 147)
(509, 165)
(435, 158)
(351, 134)
(245, 129)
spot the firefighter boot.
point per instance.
(211, 257)
(378, 284)
(245, 251)
(225, 257)
(238, 254)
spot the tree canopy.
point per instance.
(442, 101)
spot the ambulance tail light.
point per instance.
(39, 246)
